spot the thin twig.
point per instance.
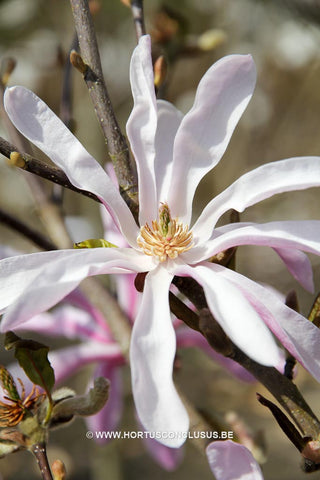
(38, 167)
(93, 76)
(138, 17)
(36, 237)
(39, 451)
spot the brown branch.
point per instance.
(93, 76)
(138, 17)
(39, 451)
(36, 237)
(38, 167)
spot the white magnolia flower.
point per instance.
(173, 153)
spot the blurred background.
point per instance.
(281, 121)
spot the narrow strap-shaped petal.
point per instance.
(153, 347)
(169, 119)
(232, 461)
(67, 361)
(34, 119)
(142, 125)
(263, 182)
(168, 458)
(30, 284)
(240, 321)
(204, 133)
(287, 238)
(297, 334)
(108, 419)
(67, 321)
(298, 265)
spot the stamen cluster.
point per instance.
(12, 413)
(166, 238)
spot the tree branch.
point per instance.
(93, 76)
(38, 167)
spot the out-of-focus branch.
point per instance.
(138, 17)
(38, 167)
(36, 237)
(93, 76)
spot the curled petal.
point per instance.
(240, 321)
(231, 461)
(203, 136)
(142, 125)
(298, 265)
(153, 347)
(31, 284)
(263, 182)
(34, 119)
(297, 334)
(287, 238)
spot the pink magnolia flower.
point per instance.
(231, 461)
(173, 153)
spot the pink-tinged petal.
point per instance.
(287, 238)
(168, 458)
(298, 265)
(34, 119)
(78, 299)
(67, 361)
(169, 119)
(187, 338)
(66, 321)
(153, 347)
(263, 182)
(235, 314)
(108, 419)
(204, 133)
(31, 284)
(297, 334)
(142, 125)
(231, 461)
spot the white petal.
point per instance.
(287, 238)
(235, 314)
(169, 119)
(204, 133)
(142, 125)
(263, 182)
(232, 461)
(34, 119)
(153, 347)
(30, 284)
(297, 334)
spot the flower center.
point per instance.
(166, 238)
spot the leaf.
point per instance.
(33, 358)
(94, 243)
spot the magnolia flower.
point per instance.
(173, 153)
(231, 461)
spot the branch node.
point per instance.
(17, 160)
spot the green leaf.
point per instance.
(94, 243)
(33, 358)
